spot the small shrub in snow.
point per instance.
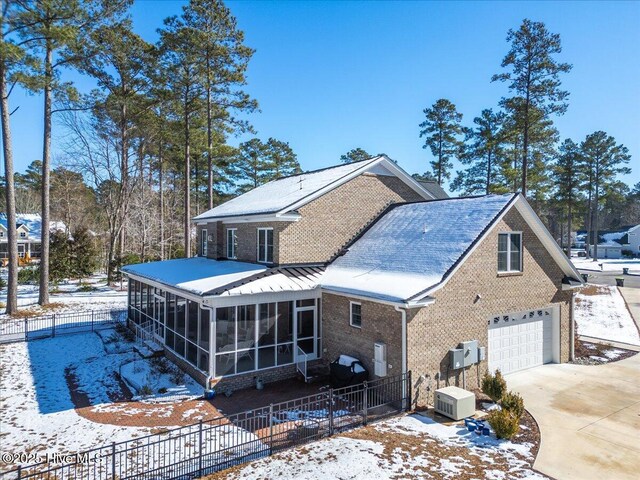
(513, 403)
(3, 284)
(504, 423)
(126, 333)
(177, 377)
(161, 365)
(145, 390)
(494, 386)
(29, 275)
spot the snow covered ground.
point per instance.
(71, 297)
(37, 412)
(413, 446)
(600, 312)
(610, 265)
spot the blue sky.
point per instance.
(331, 76)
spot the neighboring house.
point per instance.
(361, 260)
(612, 243)
(29, 227)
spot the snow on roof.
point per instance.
(412, 247)
(292, 279)
(279, 194)
(33, 222)
(196, 275)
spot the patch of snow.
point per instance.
(608, 265)
(490, 406)
(198, 275)
(605, 316)
(613, 354)
(173, 385)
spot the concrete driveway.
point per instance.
(589, 418)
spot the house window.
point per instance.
(203, 242)
(265, 245)
(232, 242)
(510, 252)
(356, 314)
(23, 235)
(1, 234)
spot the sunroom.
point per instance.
(228, 320)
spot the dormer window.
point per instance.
(265, 245)
(1, 234)
(510, 252)
(23, 234)
(232, 243)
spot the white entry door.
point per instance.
(520, 340)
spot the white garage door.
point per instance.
(520, 340)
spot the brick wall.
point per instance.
(326, 224)
(330, 221)
(248, 380)
(380, 323)
(456, 316)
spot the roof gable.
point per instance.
(279, 197)
(414, 249)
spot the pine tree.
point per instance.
(84, 253)
(442, 128)
(484, 153)
(603, 161)
(569, 179)
(61, 256)
(534, 79)
(53, 30)
(250, 169)
(355, 155)
(280, 160)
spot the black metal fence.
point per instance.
(22, 330)
(213, 445)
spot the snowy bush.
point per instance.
(494, 386)
(504, 423)
(145, 390)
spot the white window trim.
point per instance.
(204, 242)
(235, 236)
(265, 245)
(351, 304)
(509, 269)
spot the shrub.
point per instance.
(512, 402)
(494, 386)
(86, 287)
(504, 423)
(145, 390)
(3, 283)
(29, 275)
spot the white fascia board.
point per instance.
(331, 186)
(277, 217)
(400, 303)
(169, 288)
(408, 179)
(214, 301)
(547, 240)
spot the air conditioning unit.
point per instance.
(455, 403)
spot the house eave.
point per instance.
(252, 218)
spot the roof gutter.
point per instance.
(399, 303)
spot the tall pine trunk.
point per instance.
(12, 237)
(596, 202)
(488, 189)
(161, 188)
(209, 137)
(43, 296)
(187, 180)
(525, 147)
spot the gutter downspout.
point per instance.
(572, 341)
(212, 337)
(403, 312)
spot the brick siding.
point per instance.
(380, 323)
(455, 317)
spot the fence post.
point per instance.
(365, 401)
(53, 326)
(409, 388)
(331, 412)
(271, 429)
(200, 449)
(113, 460)
(19, 472)
(26, 329)
(92, 320)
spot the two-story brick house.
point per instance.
(359, 259)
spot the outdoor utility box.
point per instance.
(469, 353)
(455, 358)
(482, 354)
(455, 403)
(380, 359)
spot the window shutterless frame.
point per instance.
(510, 252)
(203, 242)
(265, 245)
(355, 314)
(232, 243)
